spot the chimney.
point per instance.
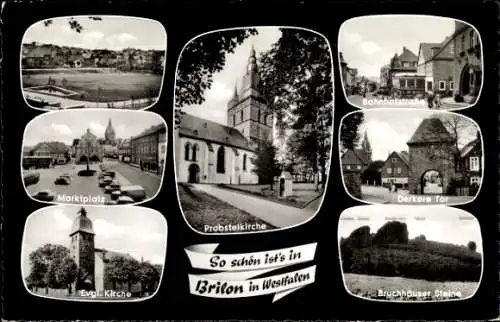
(404, 48)
(205, 125)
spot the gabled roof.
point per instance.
(54, 147)
(431, 130)
(202, 129)
(360, 154)
(152, 129)
(425, 50)
(469, 147)
(403, 155)
(407, 55)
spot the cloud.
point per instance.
(120, 39)
(61, 129)
(104, 228)
(352, 38)
(369, 47)
(60, 220)
(97, 128)
(219, 92)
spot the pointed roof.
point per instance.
(403, 155)
(425, 50)
(431, 130)
(82, 223)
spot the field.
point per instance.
(201, 209)
(101, 87)
(368, 286)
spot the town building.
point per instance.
(88, 149)
(396, 169)
(468, 68)
(145, 148)
(211, 152)
(433, 149)
(435, 62)
(349, 76)
(58, 151)
(385, 75)
(359, 159)
(124, 150)
(93, 262)
(403, 79)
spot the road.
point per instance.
(383, 195)
(88, 187)
(276, 214)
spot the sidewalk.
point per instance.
(276, 214)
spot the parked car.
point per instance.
(66, 175)
(113, 186)
(31, 178)
(116, 194)
(62, 180)
(110, 202)
(123, 200)
(106, 180)
(44, 195)
(137, 193)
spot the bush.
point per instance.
(458, 98)
(86, 173)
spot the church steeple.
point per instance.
(109, 134)
(366, 146)
(82, 250)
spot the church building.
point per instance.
(92, 262)
(210, 152)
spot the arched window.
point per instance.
(187, 147)
(234, 119)
(221, 166)
(195, 148)
(244, 162)
(258, 116)
(241, 116)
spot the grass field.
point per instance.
(102, 87)
(201, 210)
(368, 286)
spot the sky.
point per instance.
(368, 43)
(215, 106)
(389, 130)
(112, 32)
(64, 126)
(138, 231)
(441, 224)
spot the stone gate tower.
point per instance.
(431, 147)
(82, 250)
(247, 110)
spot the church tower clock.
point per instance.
(247, 109)
(82, 250)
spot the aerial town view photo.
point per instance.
(410, 61)
(253, 140)
(94, 156)
(411, 156)
(93, 61)
(410, 254)
(94, 253)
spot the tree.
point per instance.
(52, 267)
(296, 81)
(148, 276)
(472, 246)
(266, 165)
(349, 130)
(73, 23)
(122, 270)
(199, 60)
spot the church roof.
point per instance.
(431, 130)
(82, 223)
(203, 129)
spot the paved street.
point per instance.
(81, 187)
(276, 214)
(383, 195)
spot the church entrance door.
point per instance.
(194, 173)
(94, 158)
(432, 182)
(83, 158)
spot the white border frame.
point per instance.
(389, 16)
(174, 145)
(415, 110)
(459, 212)
(45, 210)
(85, 17)
(93, 110)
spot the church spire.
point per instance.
(252, 62)
(367, 148)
